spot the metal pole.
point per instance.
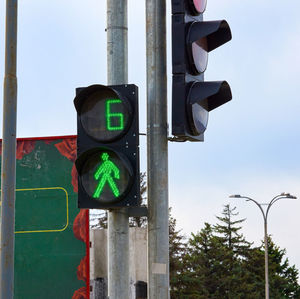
(8, 171)
(118, 227)
(157, 151)
(266, 259)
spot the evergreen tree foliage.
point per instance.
(229, 232)
(218, 262)
(200, 264)
(236, 247)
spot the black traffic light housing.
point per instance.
(192, 40)
(191, 114)
(107, 134)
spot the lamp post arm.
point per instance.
(261, 209)
(275, 199)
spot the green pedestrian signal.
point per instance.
(107, 173)
(106, 176)
(107, 146)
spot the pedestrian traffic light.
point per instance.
(107, 146)
(192, 97)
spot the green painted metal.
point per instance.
(47, 253)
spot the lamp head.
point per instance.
(288, 195)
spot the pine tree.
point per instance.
(233, 284)
(200, 265)
(229, 232)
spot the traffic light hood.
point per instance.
(217, 33)
(210, 95)
(84, 93)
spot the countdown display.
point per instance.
(104, 116)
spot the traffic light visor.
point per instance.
(217, 33)
(210, 95)
(202, 38)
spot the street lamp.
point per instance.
(265, 216)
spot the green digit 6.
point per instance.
(110, 115)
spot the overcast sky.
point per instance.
(252, 143)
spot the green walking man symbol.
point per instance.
(104, 173)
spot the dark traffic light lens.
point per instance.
(105, 176)
(104, 116)
(199, 119)
(197, 6)
(200, 55)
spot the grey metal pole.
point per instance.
(118, 225)
(157, 151)
(8, 171)
(117, 42)
(265, 217)
(266, 259)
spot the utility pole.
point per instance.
(118, 224)
(157, 151)
(8, 171)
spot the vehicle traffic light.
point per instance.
(107, 146)
(192, 97)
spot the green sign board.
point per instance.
(51, 233)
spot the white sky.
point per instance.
(252, 143)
